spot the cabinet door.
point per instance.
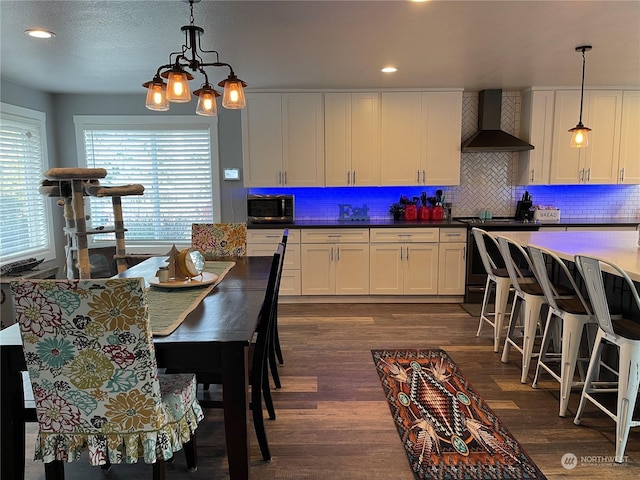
(386, 275)
(303, 139)
(601, 156)
(537, 128)
(262, 140)
(451, 268)
(352, 269)
(421, 268)
(566, 161)
(400, 138)
(318, 269)
(441, 134)
(365, 139)
(629, 163)
(337, 138)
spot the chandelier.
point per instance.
(579, 133)
(176, 89)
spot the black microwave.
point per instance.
(270, 209)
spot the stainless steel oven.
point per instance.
(476, 275)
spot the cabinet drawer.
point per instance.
(272, 235)
(405, 235)
(458, 235)
(343, 235)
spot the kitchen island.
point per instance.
(620, 248)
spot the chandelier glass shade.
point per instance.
(580, 133)
(176, 89)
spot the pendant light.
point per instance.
(176, 89)
(579, 133)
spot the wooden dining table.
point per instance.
(218, 330)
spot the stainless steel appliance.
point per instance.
(270, 208)
(476, 275)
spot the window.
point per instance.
(175, 158)
(25, 215)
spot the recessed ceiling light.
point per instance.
(389, 69)
(39, 33)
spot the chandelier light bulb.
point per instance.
(233, 96)
(157, 95)
(206, 103)
(178, 87)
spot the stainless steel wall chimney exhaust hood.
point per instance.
(489, 137)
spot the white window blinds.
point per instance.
(25, 214)
(173, 164)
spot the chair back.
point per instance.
(482, 238)
(591, 270)
(219, 239)
(508, 248)
(538, 256)
(89, 351)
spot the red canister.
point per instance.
(410, 212)
(437, 213)
(424, 213)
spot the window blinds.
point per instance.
(174, 165)
(25, 222)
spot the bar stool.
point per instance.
(571, 313)
(498, 279)
(625, 335)
(530, 294)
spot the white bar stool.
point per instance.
(498, 279)
(625, 335)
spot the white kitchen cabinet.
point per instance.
(452, 261)
(420, 136)
(352, 138)
(263, 243)
(598, 162)
(335, 261)
(537, 128)
(629, 162)
(283, 140)
(402, 262)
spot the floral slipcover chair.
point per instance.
(89, 351)
(219, 239)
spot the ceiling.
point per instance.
(111, 46)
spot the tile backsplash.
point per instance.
(486, 182)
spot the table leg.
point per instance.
(235, 389)
(12, 428)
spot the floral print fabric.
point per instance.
(219, 239)
(89, 351)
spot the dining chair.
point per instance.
(90, 356)
(258, 361)
(275, 351)
(624, 335)
(523, 326)
(568, 314)
(498, 281)
(219, 239)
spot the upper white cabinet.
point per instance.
(597, 163)
(629, 163)
(283, 140)
(537, 129)
(352, 138)
(420, 135)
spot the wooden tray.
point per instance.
(205, 279)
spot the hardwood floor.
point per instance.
(333, 421)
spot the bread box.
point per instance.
(546, 214)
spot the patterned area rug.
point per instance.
(447, 429)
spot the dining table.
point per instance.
(217, 329)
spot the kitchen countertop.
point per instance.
(388, 223)
(380, 223)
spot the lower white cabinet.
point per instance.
(263, 242)
(452, 261)
(404, 269)
(404, 261)
(335, 261)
